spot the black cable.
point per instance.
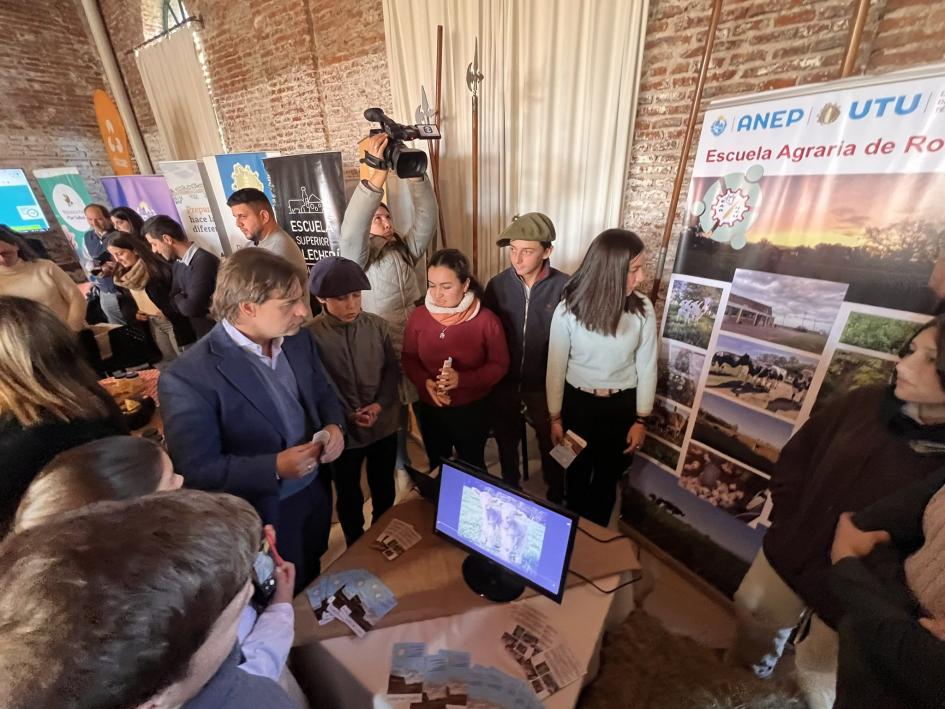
(606, 541)
(602, 590)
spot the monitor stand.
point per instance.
(490, 580)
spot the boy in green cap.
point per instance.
(525, 296)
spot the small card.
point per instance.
(569, 449)
(396, 538)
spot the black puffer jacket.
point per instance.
(526, 321)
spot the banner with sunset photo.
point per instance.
(812, 249)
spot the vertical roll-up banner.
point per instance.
(19, 209)
(66, 193)
(148, 195)
(193, 206)
(309, 202)
(226, 174)
(812, 249)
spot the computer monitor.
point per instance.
(513, 539)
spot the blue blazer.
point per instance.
(222, 427)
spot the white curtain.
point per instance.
(177, 90)
(556, 110)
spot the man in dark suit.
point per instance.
(195, 270)
(241, 406)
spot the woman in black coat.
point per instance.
(50, 399)
(148, 277)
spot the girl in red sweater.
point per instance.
(453, 325)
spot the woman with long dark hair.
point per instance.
(859, 448)
(148, 278)
(601, 378)
(454, 353)
(50, 399)
(127, 221)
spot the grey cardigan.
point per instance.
(361, 362)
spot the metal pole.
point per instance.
(107, 55)
(435, 161)
(856, 34)
(473, 79)
(687, 144)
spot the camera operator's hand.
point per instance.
(375, 146)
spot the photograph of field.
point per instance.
(732, 488)
(690, 312)
(877, 332)
(659, 452)
(851, 370)
(753, 438)
(668, 421)
(785, 310)
(678, 372)
(765, 377)
(885, 249)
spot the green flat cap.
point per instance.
(533, 226)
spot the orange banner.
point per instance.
(113, 133)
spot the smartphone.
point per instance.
(264, 571)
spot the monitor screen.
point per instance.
(527, 537)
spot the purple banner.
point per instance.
(148, 195)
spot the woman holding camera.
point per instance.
(454, 352)
(601, 377)
(389, 259)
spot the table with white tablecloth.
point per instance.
(435, 606)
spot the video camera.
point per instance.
(406, 162)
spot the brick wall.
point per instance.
(759, 45)
(295, 75)
(48, 73)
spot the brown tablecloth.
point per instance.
(427, 579)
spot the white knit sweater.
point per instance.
(48, 284)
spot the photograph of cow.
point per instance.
(785, 310)
(747, 435)
(668, 421)
(678, 372)
(733, 488)
(690, 312)
(764, 377)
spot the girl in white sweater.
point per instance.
(601, 377)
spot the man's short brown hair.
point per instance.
(107, 605)
(251, 275)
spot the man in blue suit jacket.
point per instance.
(240, 407)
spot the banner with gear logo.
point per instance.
(223, 175)
(813, 248)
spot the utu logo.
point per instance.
(770, 119)
(877, 107)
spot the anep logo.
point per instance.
(718, 126)
(769, 119)
(878, 107)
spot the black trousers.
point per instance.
(591, 480)
(346, 471)
(303, 529)
(507, 406)
(463, 428)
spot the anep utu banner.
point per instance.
(309, 200)
(812, 249)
